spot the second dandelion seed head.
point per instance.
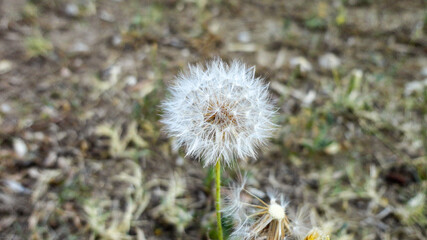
(257, 219)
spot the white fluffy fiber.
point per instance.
(219, 111)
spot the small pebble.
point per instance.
(131, 80)
(65, 72)
(244, 37)
(72, 10)
(17, 187)
(116, 40)
(106, 16)
(5, 108)
(185, 52)
(5, 66)
(79, 48)
(180, 161)
(20, 147)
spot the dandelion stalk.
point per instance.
(218, 199)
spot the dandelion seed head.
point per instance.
(220, 111)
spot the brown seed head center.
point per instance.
(219, 115)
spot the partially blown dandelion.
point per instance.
(259, 220)
(219, 112)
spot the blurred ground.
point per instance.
(81, 151)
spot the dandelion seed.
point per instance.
(219, 111)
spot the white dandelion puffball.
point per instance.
(219, 111)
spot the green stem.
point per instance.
(218, 199)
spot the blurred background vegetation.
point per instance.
(82, 155)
